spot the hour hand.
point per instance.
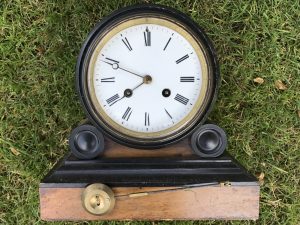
(114, 63)
(127, 93)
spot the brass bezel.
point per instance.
(199, 106)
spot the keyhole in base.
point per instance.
(98, 200)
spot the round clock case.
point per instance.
(145, 139)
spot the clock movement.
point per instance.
(147, 77)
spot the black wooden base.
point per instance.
(149, 172)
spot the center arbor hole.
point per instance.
(166, 92)
(128, 93)
(147, 79)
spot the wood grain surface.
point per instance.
(63, 202)
(113, 149)
(214, 202)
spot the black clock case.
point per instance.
(186, 172)
(126, 12)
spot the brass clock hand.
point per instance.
(128, 93)
(130, 72)
(146, 80)
(116, 66)
(137, 86)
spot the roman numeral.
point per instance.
(168, 114)
(147, 37)
(181, 99)
(182, 58)
(112, 61)
(147, 119)
(126, 43)
(187, 79)
(113, 99)
(167, 44)
(127, 114)
(108, 80)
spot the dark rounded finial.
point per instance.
(86, 142)
(209, 141)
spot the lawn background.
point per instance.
(39, 43)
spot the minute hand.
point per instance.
(116, 66)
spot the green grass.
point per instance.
(39, 43)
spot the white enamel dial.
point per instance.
(147, 78)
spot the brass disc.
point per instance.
(98, 199)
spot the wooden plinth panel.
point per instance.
(213, 202)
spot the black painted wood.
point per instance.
(149, 172)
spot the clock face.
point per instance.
(146, 79)
(138, 53)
